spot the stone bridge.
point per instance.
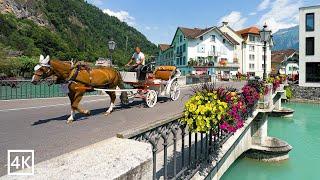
(166, 150)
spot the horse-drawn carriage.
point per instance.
(150, 85)
(81, 79)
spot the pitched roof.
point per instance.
(233, 41)
(279, 56)
(195, 32)
(249, 30)
(164, 47)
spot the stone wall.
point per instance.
(309, 93)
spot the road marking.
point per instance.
(53, 105)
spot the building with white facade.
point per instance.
(216, 50)
(285, 62)
(253, 54)
(196, 50)
(309, 46)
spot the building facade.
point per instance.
(309, 45)
(285, 62)
(200, 51)
(216, 50)
(253, 54)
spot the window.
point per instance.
(201, 48)
(252, 38)
(251, 57)
(213, 49)
(310, 22)
(251, 48)
(213, 38)
(184, 47)
(177, 61)
(201, 38)
(251, 66)
(181, 38)
(310, 46)
(224, 41)
(312, 72)
(184, 60)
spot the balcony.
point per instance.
(214, 53)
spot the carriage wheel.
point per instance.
(130, 98)
(151, 98)
(175, 91)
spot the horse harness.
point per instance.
(75, 72)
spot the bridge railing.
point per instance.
(178, 152)
(24, 89)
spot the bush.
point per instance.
(289, 92)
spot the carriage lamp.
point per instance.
(265, 37)
(112, 46)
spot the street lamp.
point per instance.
(265, 37)
(112, 46)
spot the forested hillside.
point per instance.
(65, 29)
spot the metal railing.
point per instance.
(24, 89)
(181, 151)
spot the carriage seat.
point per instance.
(164, 72)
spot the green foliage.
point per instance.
(17, 66)
(289, 92)
(76, 30)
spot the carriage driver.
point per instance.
(139, 61)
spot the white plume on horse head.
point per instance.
(44, 61)
(41, 58)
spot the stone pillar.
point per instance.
(259, 129)
(277, 104)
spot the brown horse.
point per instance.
(80, 79)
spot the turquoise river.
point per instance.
(302, 132)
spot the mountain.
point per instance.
(286, 39)
(66, 29)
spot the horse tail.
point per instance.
(124, 94)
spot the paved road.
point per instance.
(40, 124)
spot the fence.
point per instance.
(24, 89)
(189, 150)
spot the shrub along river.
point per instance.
(302, 132)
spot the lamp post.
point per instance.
(111, 46)
(265, 37)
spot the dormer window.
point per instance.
(252, 38)
(201, 38)
(213, 38)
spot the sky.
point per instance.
(159, 19)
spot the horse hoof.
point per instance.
(69, 121)
(87, 112)
(107, 113)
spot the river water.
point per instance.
(302, 132)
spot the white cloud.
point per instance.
(283, 14)
(123, 16)
(97, 2)
(234, 19)
(263, 5)
(252, 13)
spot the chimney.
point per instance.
(224, 23)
